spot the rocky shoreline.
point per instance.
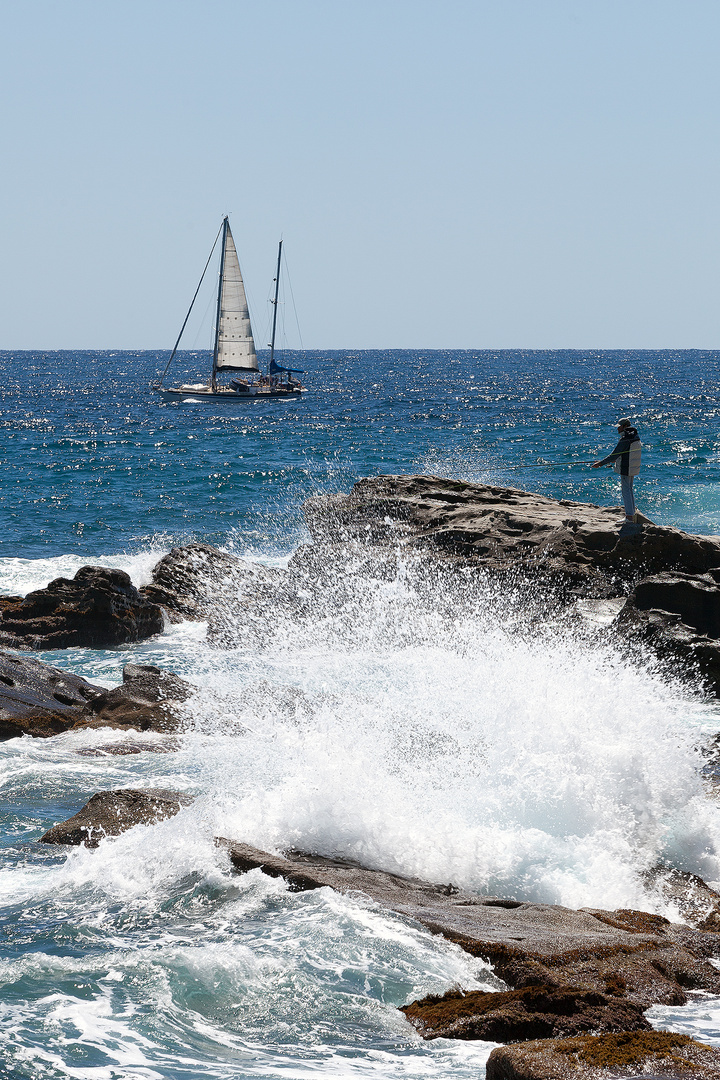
(572, 975)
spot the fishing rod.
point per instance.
(567, 464)
(545, 464)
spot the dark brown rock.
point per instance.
(535, 1012)
(109, 813)
(190, 581)
(98, 608)
(678, 615)
(40, 700)
(695, 598)
(576, 544)
(626, 954)
(147, 700)
(650, 1055)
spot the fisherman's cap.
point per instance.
(626, 422)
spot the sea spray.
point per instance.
(466, 744)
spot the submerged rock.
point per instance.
(109, 813)
(126, 749)
(147, 700)
(40, 700)
(634, 955)
(98, 608)
(535, 1012)
(649, 1055)
(190, 581)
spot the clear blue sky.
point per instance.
(445, 173)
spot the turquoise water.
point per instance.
(465, 744)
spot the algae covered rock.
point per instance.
(535, 1012)
(646, 1055)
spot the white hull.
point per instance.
(224, 393)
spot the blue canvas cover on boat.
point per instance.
(275, 368)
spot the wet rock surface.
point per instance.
(40, 700)
(648, 1055)
(697, 903)
(98, 608)
(109, 813)
(632, 955)
(190, 581)
(127, 749)
(147, 700)
(535, 1012)
(678, 615)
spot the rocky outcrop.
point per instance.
(633, 955)
(147, 700)
(651, 1055)
(535, 1012)
(109, 813)
(190, 581)
(98, 609)
(40, 700)
(678, 615)
(578, 546)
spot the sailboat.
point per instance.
(234, 346)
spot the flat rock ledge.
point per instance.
(109, 813)
(584, 546)
(652, 1055)
(96, 609)
(629, 955)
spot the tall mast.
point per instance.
(275, 307)
(219, 302)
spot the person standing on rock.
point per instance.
(626, 458)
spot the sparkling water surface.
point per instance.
(462, 743)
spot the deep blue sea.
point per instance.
(542, 766)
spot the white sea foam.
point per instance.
(542, 766)
(21, 576)
(700, 1018)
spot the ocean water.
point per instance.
(430, 728)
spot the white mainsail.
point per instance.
(235, 345)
